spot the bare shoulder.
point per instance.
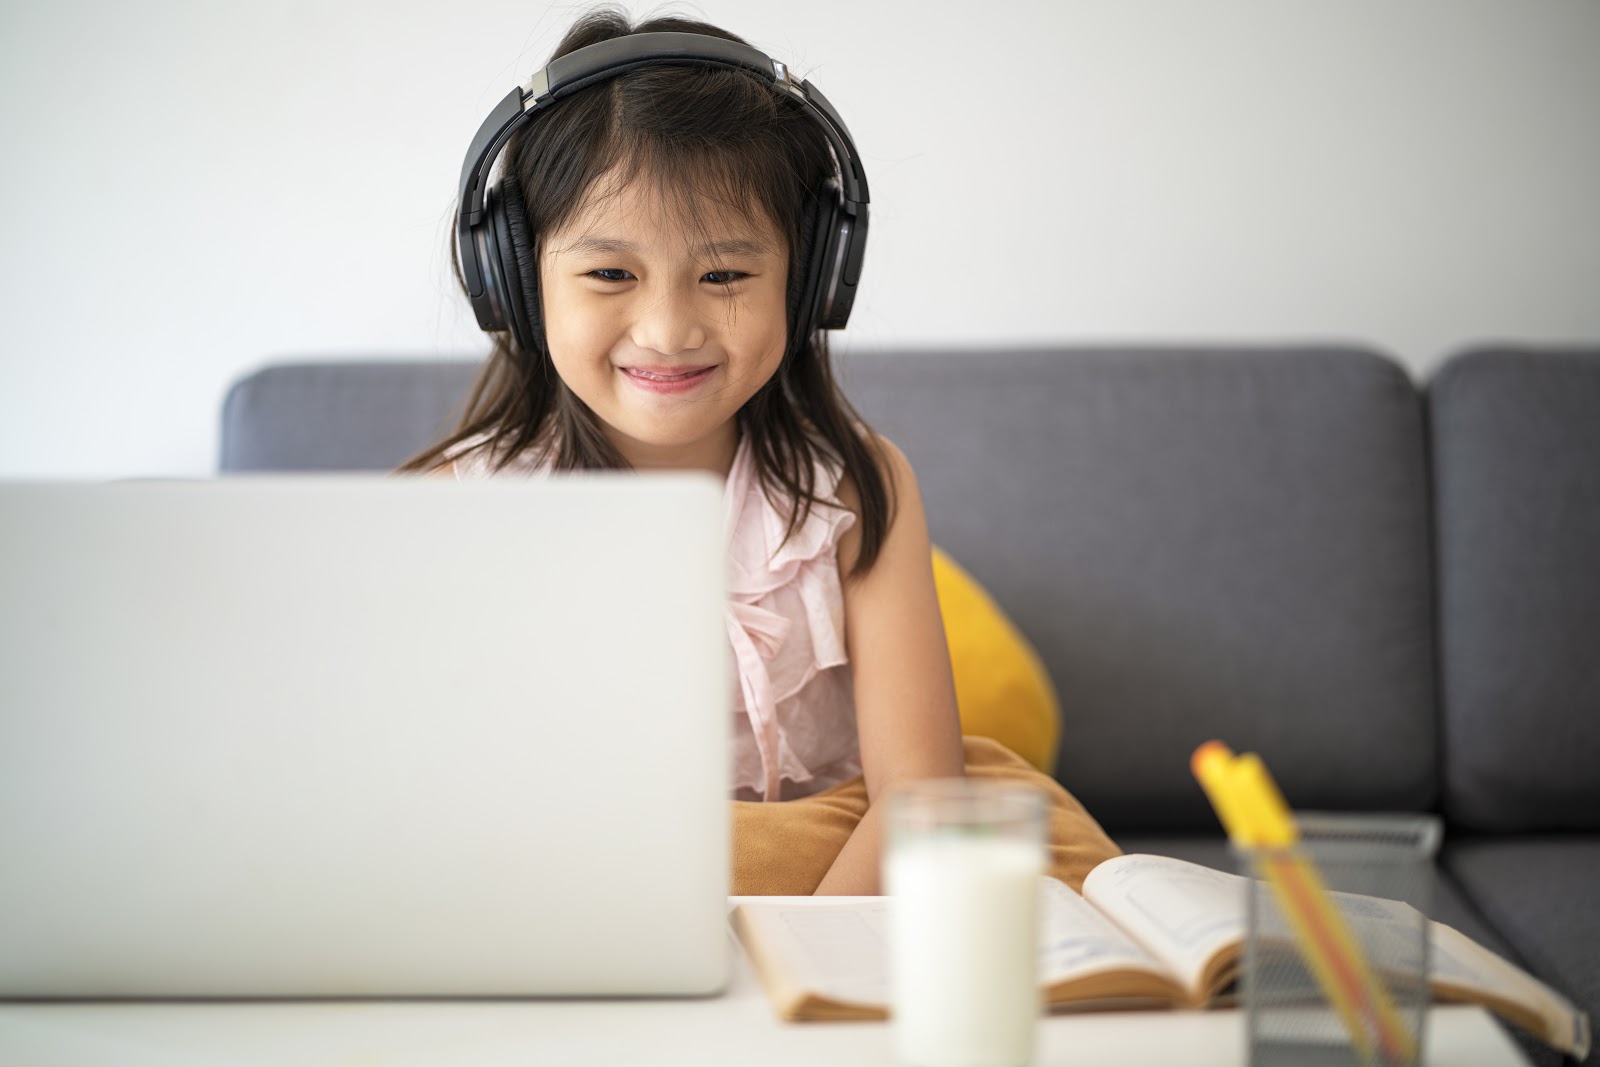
(447, 469)
(902, 479)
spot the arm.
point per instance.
(904, 691)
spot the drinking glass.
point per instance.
(962, 867)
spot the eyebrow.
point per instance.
(737, 246)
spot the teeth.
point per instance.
(662, 377)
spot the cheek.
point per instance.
(765, 322)
(554, 309)
(572, 328)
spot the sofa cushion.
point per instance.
(1516, 439)
(1540, 892)
(1200, 543)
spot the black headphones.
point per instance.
(496, 245)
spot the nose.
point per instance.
(668, 321)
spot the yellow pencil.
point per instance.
(1255, 816)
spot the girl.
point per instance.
(661, 320)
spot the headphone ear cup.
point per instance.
(513, 247)
(810, 278)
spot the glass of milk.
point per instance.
(962, 867)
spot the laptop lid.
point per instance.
(363, 736)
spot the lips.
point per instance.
(665, 374)
(667, 379)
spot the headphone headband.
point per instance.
(608, 59)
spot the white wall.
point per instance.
(191, 188)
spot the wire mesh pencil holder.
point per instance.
(1340, 977)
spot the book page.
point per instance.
(1077, 941)
(1462, 969)
(1183, 913)
(840, 950)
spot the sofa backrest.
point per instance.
(1516, 443)
(1201, 543)
(339, 415)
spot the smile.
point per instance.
(667, 379)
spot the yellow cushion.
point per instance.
(1002, 689)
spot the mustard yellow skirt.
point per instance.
(785, 849)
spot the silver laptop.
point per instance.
(363, 737)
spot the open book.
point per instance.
(1149, 931)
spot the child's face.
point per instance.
(663, 343)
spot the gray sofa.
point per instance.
(1389, 590)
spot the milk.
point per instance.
(963, 949)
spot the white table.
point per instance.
(737, 1028)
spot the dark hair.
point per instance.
(703, 135)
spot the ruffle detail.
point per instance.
(786, 625)
(763, 560)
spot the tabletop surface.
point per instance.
(736, 1028)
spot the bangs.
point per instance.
(702, 197)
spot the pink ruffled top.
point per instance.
(794, 726)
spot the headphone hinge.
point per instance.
(537, 88)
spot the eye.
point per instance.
(725, 277)
(605, 274)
